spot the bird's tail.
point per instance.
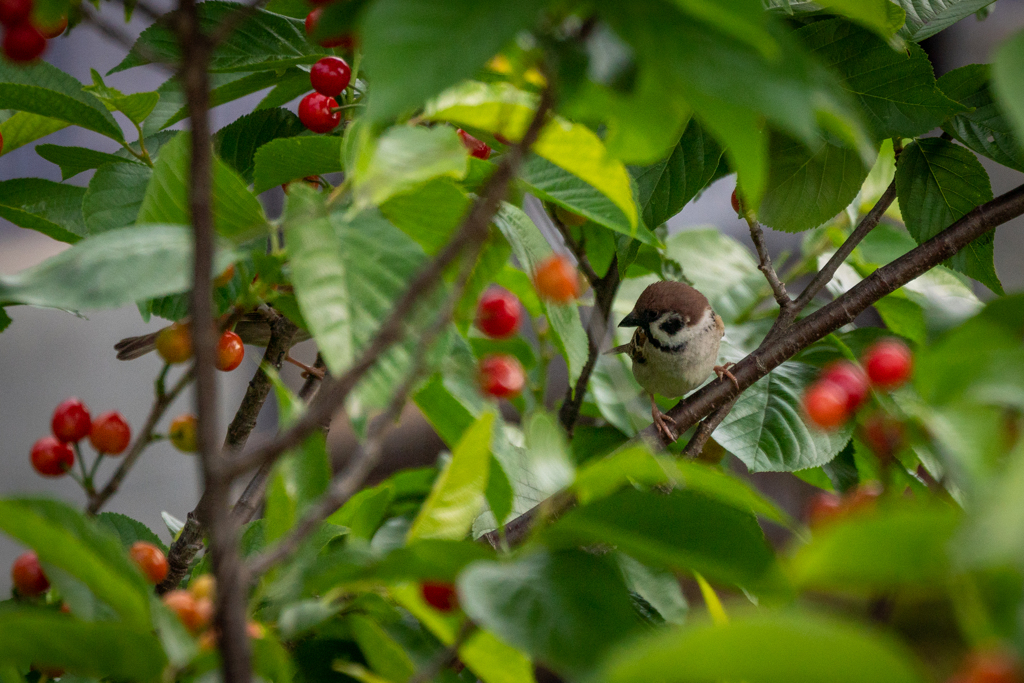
(624, 348)
(131, 348)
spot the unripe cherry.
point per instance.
(183, 433)
(851, 378)
(230, 351)
(477, 148)
(330, 76)
(150, 559)
(501, 376)
(174, 343)
(498, 313)
(27, 575)
(316, 115)
(71, 421)
(110, 433)
(440, 595)
(824, 404)
(556, 280)
(194, 614)
(53, 30)
(888, 363)
(52, 457)
(203, 586)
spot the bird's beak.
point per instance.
(631, 320)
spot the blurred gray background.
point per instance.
(47, 356)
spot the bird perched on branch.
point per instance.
(675, 345)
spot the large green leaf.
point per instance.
(771, 647)
(239, 85)
(74, 160)
(682, 530)
(53, 209)
(47, 91)
(410, 53)
(566, 608)
(429, 214)
(881, 16)
(283, 160)
(1009, 91)
(64, 538)
(720, 268)
(504, 110)
(129, 530)
(985, 128)
(925, 18)
(262, 41)
(458, 494)
(109, 270)
(766, 428)
(937, 183)
(25, 127)
(48, 639)
(664, 188)
(115, 196)
(896, 89)
(237, 214)
(807, 187)
(236, 143)
(659, 588)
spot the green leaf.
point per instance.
(62, 537)
(237, 214)
(720, 268)
(903, 546)
(25, 127)
(772, 647)
(110, 270)
(429, 214)
(499, 494)
(364, 511)
(53, 209)
(136, 106)
(294, 84)
(46, 90)
(937, 183)
(410, 53)
(548, 453)
(903, 316)
(298, 480)
(283, 160)
(742, 134)
(115, 196)
(502, 109)
(1009, 91)
(766, 428)
(129, 530)
(236, 144)
(659, 588)
(567, 608)
(382, 653)
(925, 18)
(684, 530)
(239, 85)
(74, 160)
(664, 188)
(896, 89)
(985, 128)
(880, 16)
(47, 638)
(807, 187)
(5, 320)
(262, 41)
(458, 494)
(405, 158)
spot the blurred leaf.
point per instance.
(807, 187)
(74, 160)
(364, 511)
(896, 89)
(881, 16)
(664, 188)
(237, 214)
(1009, 92)
(47, 638)
(899, 546)
(548, 452)
(992, 536)
(925, 18)
(458, 494)
(383, 654)
(720, 268)
(405, 158)
(129, 530)
(25, 127)
(428, 214)
(298, 480)
(283, 160)
(683, 530)
(767, 648)
(566, 608)
(410, 52)
(903, 317)
(115, 196)
(53, 209)
(937, 183)
(110, 270)
(766, 428)
(985, 129)
(262, 41)
(660, 589)
(230, 87)
(236, 143)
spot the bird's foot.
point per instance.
(661, 423)
(723, 371)
(307, 370)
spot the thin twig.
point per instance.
(708, 425)
(472, 232)
(446, 657)
(765, 263)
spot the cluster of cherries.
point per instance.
(25, 40)
(53, 456)
(174, 344)
(843, 386)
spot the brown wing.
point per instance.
(719, 324)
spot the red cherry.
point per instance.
(989, 666)
(23, 43)
(230, 351)
(441, 596)
(315, 113)
(501, 376)
(735, 202)
(330, 76)
(824, 508)
(54, 30)
(888, 363)
(14, 12)
(864, 497)
(312, 19)
(851, 378)
(150, 559)
(193, 613)
(883, 434)
(556, 280)
(498, 313)
(71, 421)
(825, 404)
(52, 458)
(28, 576)
(477, 148)
(110, 433)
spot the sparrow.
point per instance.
(675, 344)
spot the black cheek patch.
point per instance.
(670, 327)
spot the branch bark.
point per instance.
(765, 265)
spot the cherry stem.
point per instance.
(93, 469)
(86, 480)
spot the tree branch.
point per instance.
(765, 264)
(472, 232)
(708, 425)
